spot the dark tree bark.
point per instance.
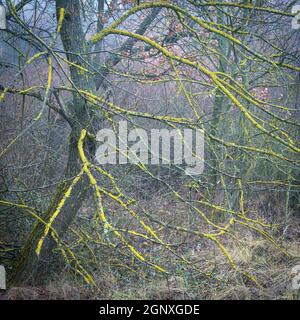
(29, 267)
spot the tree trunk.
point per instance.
(29, 268)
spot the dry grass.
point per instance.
(258, 257)
(118, 276)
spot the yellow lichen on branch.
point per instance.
(60, 19)
(57, 211)
(98, 198)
